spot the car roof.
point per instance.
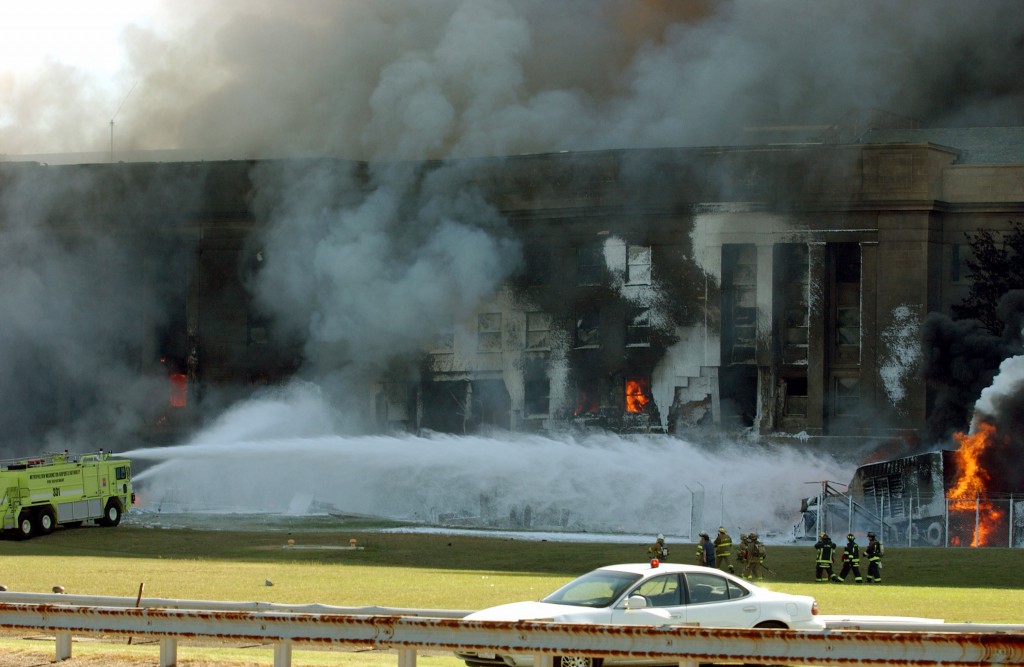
(647, 568)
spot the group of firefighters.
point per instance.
(751, 554)
(718, 553)
(826, 550)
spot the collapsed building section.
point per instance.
(765, 290)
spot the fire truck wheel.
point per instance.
(26, 527)
(112, 513)
(47, 521)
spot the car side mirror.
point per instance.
(636, 602)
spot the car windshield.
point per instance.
(599, 588)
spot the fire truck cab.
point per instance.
(37, 495)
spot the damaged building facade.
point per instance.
(775, 290)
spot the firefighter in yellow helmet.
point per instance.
(723, 550)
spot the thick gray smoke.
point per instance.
(399, 79)
(81, 300)
(364, 273)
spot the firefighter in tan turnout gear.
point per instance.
(756, 553)
(723, 550)
(658, 550)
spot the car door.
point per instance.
(717, 601)
(665, 603)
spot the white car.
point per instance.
(650, 594)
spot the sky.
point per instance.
(84, 35)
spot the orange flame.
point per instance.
(179, 390)
(636, 396)
(966, 496)
(585, 404)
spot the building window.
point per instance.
(536, 266)
(846, 332)
(638, 265)
(740, 298)
(589, 265)
(537, 398)
(588, 327)
(794, 396)
(638, 326)
(488, 332)
(846, 396)
(638, 394)
(588, 398)
(538, 331)
(256, 329)
(444, 341)
(792, 275)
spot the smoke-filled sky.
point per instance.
(394, 78)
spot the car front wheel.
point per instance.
(577, 661)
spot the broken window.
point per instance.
(792, 275)
(589, 265)
(588, 323)
(588, 398)
(794, 396)
(538, 331)
(638, 394)
(488, 332)
(179, 390)
(537, 398)
(638, 326)
(638, 265)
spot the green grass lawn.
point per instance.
(459, 572)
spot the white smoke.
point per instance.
(1008, 383)
(249, 462)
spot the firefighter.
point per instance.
(851, 560)
(706, 550)
(825, 549)
(658, 550)
(743, 552)
(874, 553)
(755, 558)
(723, 550)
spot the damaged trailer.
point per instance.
(911, 501)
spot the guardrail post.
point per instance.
(63, 651)
(406, 657)
(283, 653)
(168, 652)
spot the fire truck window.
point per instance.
(121, 472)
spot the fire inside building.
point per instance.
(775, 290)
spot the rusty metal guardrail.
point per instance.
(924, 645)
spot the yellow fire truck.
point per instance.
(62, 489)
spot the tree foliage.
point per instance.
(996, 268)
